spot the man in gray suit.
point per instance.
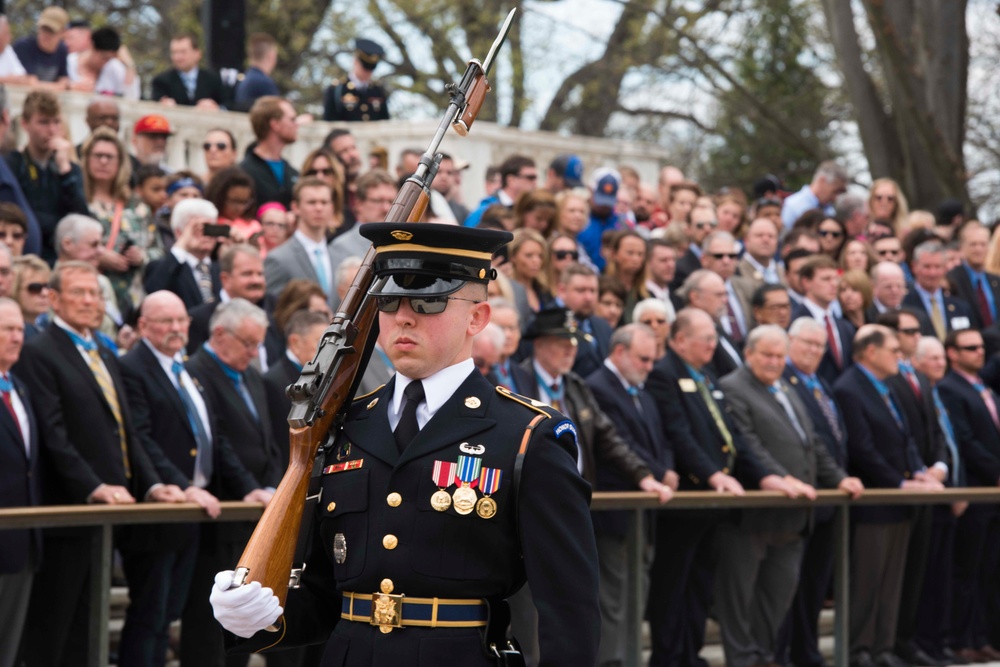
(760, 554)
(305, 255)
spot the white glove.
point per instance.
(243, 610)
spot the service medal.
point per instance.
(443, 475)
(486, 507)
(468, 477)
(441, 501)
(489, 482)
(465, 499)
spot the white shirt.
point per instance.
(10, 64)
(317, 251)
(734, 303)
(820, 316)
(184, 257)
(112, 79)
(768, 273)
(438, 388)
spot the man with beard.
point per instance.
(273, 120)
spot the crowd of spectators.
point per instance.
(151, 318)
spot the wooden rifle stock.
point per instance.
(327, 384)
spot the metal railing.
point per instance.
(102, 518)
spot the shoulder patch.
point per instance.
(371, 393)
(566, 426)
(523, 400)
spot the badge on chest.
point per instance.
(467, 474)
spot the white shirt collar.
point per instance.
(546, 378)
(621, 378)
(184, 257)
(817, 311)
(166, 362)
(307, 243)
(438, 388)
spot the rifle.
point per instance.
(326, 387)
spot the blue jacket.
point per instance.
(475, 216)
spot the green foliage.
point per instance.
(793, 132)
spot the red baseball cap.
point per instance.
(152, 124)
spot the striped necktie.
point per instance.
(107, 386)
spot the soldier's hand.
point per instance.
(243, 610)
(649, 483)
(723, 483)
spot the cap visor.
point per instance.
(415, 284)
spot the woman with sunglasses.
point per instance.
(887, 202)
(220, 151)
(30, 288)
(106, 174)
(232, 192)
(13, 227)
(563, 251)
(832, 236)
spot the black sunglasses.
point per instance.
(35, 288)
(892, 251)
(910, 331)
(830, 232)
(320, 172)
(725, 255)
(970, 348)
(423, 305)
(219, 146)
(563, 254)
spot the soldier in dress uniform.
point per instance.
(441, 495)
(358, 96)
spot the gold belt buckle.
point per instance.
(387, 611)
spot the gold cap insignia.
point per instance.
(472, 402)
(372, 404)
(400, 235)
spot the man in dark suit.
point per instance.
(303, 331)
(188, 270)
(760, 556)
(807, 344)
(577, 290)
(710, 454)
(187, 83)
(888, 290)
(19, 484)
(661, 265)
(720, 256)
(820, 280)
(973, 411)
(241, 276)
(236, 392)
(771, 304)
(706, 291)
(91, 455)
(702, 222)
(556, 339)
(306, 255)
(934, 614)
(970, 281)
(618, 388)
(882, 453)
(176, 425)
(916, 399)
(944, 313)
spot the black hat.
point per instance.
(769, 183)
(948, 209)
(554, 322)
(430, 259)
(368, 52)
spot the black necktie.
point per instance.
(408, 427)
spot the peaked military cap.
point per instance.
(369, 52)
(427, 259)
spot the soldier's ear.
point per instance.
(479, 317)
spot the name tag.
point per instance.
(687, 385)
(958, 323)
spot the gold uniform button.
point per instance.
(332, 506)
(725, 471)
(194, 452)
(390, 542)
(394, 499)
(386, 586)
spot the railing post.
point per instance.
(842, 586)
(636, 607)
(100, 593)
